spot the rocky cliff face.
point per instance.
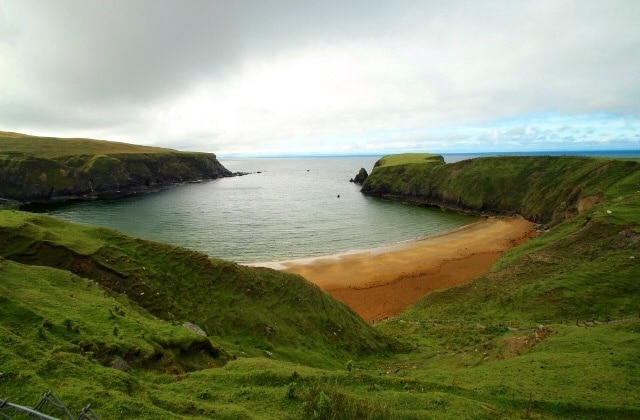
(26, 178)
(544, 189)
(360, 177)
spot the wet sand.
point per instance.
(381, 282)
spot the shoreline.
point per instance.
(381, 282)
(376, 250)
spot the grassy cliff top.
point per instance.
(545, 189)
(409, 158)
(54, 147)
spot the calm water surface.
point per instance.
(289, 210)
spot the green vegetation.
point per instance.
(54, 147)
(545, 189)
(47, 168)
(551, 331)
(258, 310)
(409, 159)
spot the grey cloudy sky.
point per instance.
(362, 76)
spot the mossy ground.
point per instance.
(551, 331)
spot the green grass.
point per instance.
(408, 159)
(582, 270)
(545, 189)
(47, 168)
(575, 372)
(73, 298)
(258, 311)
(55, 148)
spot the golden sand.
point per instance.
(382, 282)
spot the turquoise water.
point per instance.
(289, 210)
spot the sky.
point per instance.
(284, 77)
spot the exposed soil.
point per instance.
(382, 282)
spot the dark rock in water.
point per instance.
(361, 177)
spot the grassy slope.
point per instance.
(128, 299)
(245, 306)
(55, 148)
(546, 189)
(477, 350)
(482, 337)
(47, 168)
(405, 159)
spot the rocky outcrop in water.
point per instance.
(360, 177)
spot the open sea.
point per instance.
(286, 208)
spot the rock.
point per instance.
(194, 328)
(120, 364)
(361, 177)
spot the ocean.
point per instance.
(285, 208)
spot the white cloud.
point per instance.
(286, 76)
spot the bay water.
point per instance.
(285, 208)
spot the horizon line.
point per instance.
(385, 153)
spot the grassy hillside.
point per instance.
(47, 168)
(256, 310)
(546, 189)
(56, 148)
(567, 272)
(77, 298)
(408, 159)
(551, 331)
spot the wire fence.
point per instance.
(47, 398)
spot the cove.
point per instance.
(284, 208)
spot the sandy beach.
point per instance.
(381, 282)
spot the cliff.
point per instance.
(544, 189)
(45, 168)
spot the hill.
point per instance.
(48, 168)
(243, 305)
(584, 265)
(544, 189)
(551, 331)
(77, 299)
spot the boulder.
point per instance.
(361, 177)
(194, 328)
(120, 364)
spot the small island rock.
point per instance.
(361, 177)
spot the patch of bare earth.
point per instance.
(514, 346)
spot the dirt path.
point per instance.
(382, 282)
